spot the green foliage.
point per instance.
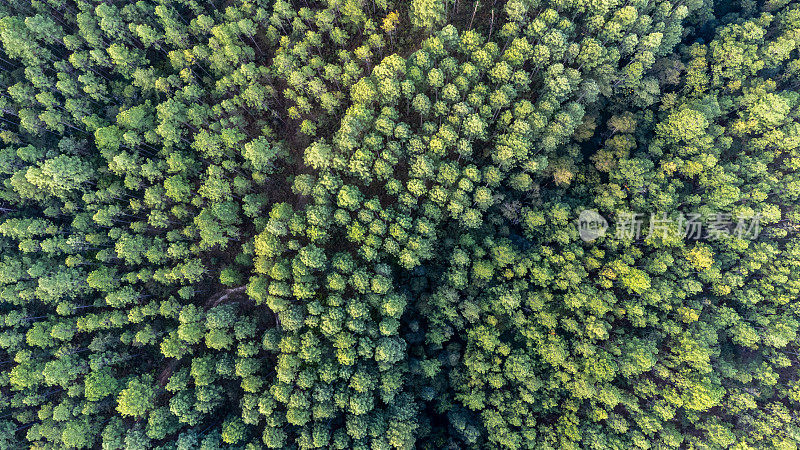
(136, 399)
(352, 224)
(427, 13)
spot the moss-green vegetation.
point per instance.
(354, 224)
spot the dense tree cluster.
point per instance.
(354, 224)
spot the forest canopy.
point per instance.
(387, 224)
